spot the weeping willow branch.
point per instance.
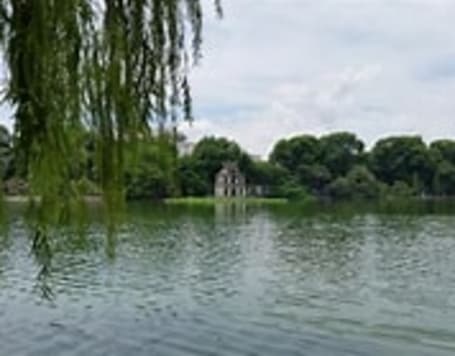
(112, 68)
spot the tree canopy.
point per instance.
(115, 68)
(197, 172)
(337, 165)
(5, 151)
(405, 159)
(334, 166)
(340, 152)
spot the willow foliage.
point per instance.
(109, 67)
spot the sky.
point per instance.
(278, 68)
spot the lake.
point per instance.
(236, 280)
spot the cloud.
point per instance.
(275, 68)
(294, 107)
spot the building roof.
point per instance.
(229, 168)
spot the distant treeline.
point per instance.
(335, 166)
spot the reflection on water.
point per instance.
(237, 280)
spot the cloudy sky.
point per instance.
(276, 68)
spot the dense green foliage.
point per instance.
(335, 166)
(197, 171)
(5, 152)
(151, 170)
(117, 69)
(405, 159)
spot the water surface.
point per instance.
(235, 280)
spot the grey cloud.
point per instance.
(316, 66)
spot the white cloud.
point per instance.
(275, 68)
(294, 107)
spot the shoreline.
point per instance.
(213, 200)
(27, 199)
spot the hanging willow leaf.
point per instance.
(110, 68)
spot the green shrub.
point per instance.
(293, 191)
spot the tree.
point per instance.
(315, 163)
(359, 183)
(443, 154)
(315, 177)
(406, 159)
(340, 189)
(208, 157)
(292, 190)
(444, 179)
(340, 152)
(296, 151)
(400, 189)
(5, 151)
(267, 174)
(192, 182)
(150, 173)
(271, 176)
(112, 67)
(443, 150)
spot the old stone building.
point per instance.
(230, 182)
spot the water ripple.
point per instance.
(251, 283)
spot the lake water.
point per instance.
(236, 280)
